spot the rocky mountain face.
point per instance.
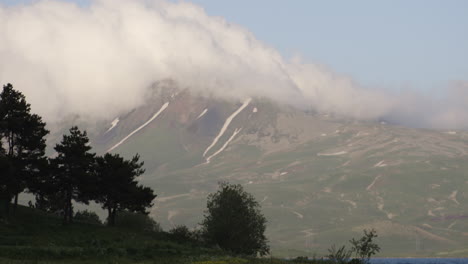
(319, 179)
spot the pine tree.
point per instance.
(72, 172)
(118, 186)
(23, 141)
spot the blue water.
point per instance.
(419, 261)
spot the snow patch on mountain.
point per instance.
(225, 145)
(332, 154)
(380, 164)
(451, 225)
(226, 124)
(299, 215)
(373, 182)
(453, 197)
(113, 124)
(163, 107)
(308, 232)
(202, 114)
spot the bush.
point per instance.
(87, 217)
(181, 234)
(137, 222)
(340, 255)
(362, 249)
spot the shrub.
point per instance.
(87, 217)
(340, 255)
(137, 222)
(364, 248)
(181, 234)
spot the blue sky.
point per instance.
(421, 44)
(399, 44)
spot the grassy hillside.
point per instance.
(415, 199)
(409, 184)
(32, 236)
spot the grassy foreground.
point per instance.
(32, 236)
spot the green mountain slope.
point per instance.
(320, 179)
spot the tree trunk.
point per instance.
(8, 205)
(7, 208)
(111, 217)
(68, 211)
(65, 213)
(15, 205)
(114, 215)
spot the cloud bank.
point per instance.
(98, 61)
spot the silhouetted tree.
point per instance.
(72, 171)
(6, 172)
(118, 186)
(23, 141)
(50, 198)
(234, 222)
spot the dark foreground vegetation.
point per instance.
(39, 237)
(36, 235)
(50, 231)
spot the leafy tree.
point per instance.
(72, 173)
(23, 141)
(118, 186)
(51, 200)
(234, 222)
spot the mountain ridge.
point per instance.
(319, 178)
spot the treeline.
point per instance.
(73, 174)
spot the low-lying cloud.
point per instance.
(98, 61)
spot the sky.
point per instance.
(400, 44)
(403, 61)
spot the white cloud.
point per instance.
(97, 61)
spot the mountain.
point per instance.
(320, 179)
